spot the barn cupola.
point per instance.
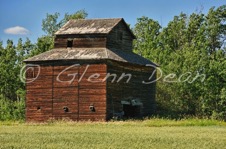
(93, 39)
(105, 33)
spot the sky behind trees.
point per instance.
(23, 18)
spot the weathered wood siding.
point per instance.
(115, 43)
(134, 89)
(81, 42)
(111, 40)
(92, 92)
(65, 92)
(39, 93)
(58, 87)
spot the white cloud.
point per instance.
(17, 30)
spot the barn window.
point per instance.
(69, 43)
(66, 109)
(92, 108)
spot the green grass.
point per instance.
(150, 133)
(183, 122)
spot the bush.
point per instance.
(12, 110)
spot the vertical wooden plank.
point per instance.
(65, 92)
(39, 94)
(92, 92)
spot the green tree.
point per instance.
(81, 14)
(7, 69)
(12, 90)
(147, 32)
(52, 23)
(44, 43)
(190, 45)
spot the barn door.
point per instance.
(65, 92)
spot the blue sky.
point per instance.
(23, 18)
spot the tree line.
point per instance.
(12, 88)
(189, 46)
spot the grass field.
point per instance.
(154, 133)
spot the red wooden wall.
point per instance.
(47, 97)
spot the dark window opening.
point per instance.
(38, 108)
(70, 43)
(66, 109)
(92, 108)
(131, 111)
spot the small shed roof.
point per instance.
(90, 54)
(91, 26)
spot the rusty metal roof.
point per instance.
(89, 54)
(91, 26)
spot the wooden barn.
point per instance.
(91, 74)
